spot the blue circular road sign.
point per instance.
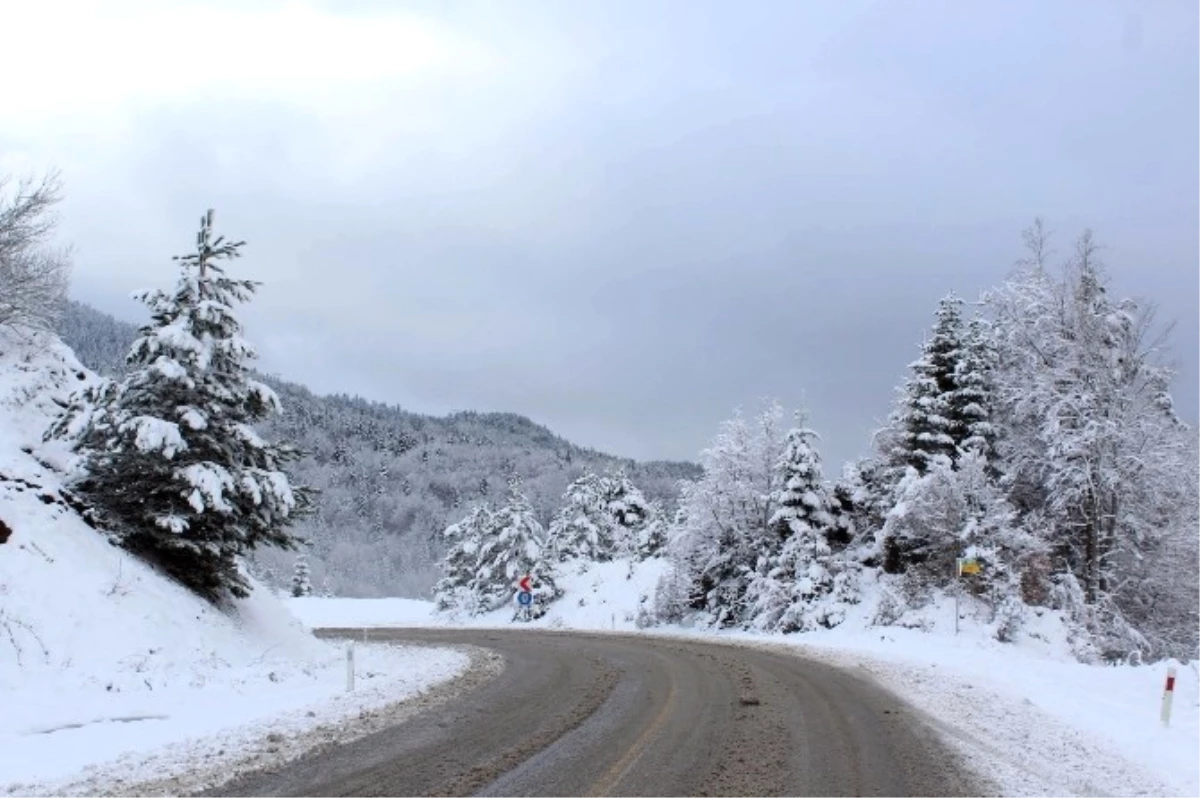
(524, 598)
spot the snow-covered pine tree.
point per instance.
(925, 414)
(514, 549)
(971, 406)
(796, 575)
(652, 537)
(301, 583)
(945, 410)
(602, 517)
(465, 540)
(803, 500)
(583, 528)
(171, 458)
(627, 508)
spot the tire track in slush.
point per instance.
(599, 714)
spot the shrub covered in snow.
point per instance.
(301, 581)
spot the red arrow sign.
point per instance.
(524, 583)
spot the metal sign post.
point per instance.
(525, 597)
(963, 565)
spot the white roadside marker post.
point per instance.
(1168, 694)
(957, 587)
(350, 667)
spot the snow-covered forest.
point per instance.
(1033, 437)
(390, 480)
(1033, 462)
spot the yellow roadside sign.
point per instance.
(969, 565)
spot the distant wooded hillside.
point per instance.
(391, 480)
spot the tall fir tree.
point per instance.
(945, 411)
(925, 416)
(946, 406)
(603, 517)
(464, 541)
(804, 502)
(794, 577)
(171, 458)
(583, 527)
(514, 549)
(972, 405)
(628, 509)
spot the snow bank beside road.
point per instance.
(103, 661)
(1033, 725)
(605, 595)
(1027, 713)
(328, 613)
(64, 742)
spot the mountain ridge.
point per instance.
(392, 479)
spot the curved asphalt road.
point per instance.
(591, 714)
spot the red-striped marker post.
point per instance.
(1168, 694)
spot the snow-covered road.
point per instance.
(1027, 717)
(605, 714)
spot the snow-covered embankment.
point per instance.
(111, 675)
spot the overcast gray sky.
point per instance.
(621, 219)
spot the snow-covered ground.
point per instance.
(1025, 714)
(59, 740)
(112, 675)
(1033, 724)
(596, 596)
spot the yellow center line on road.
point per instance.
(622, 766)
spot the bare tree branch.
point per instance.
(33, 276)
